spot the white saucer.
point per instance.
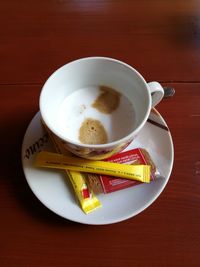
(53, 189)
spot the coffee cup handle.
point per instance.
(157, 92)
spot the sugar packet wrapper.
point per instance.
(107, 184)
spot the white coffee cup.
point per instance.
(98, 71)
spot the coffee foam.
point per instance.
(78, 107)
(92, 132)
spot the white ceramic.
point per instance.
(53, 188)
(96, 71)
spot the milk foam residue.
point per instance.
(100, 113)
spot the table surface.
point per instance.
(161, 39)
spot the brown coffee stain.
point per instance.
(107, 101)
(92, 132)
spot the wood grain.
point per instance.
(159, 38)
(162, 40)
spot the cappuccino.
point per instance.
(95, 115)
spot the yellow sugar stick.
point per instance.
(87, 199)
(53, 160)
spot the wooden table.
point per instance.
(159, 38)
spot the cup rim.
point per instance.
(96, 146)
